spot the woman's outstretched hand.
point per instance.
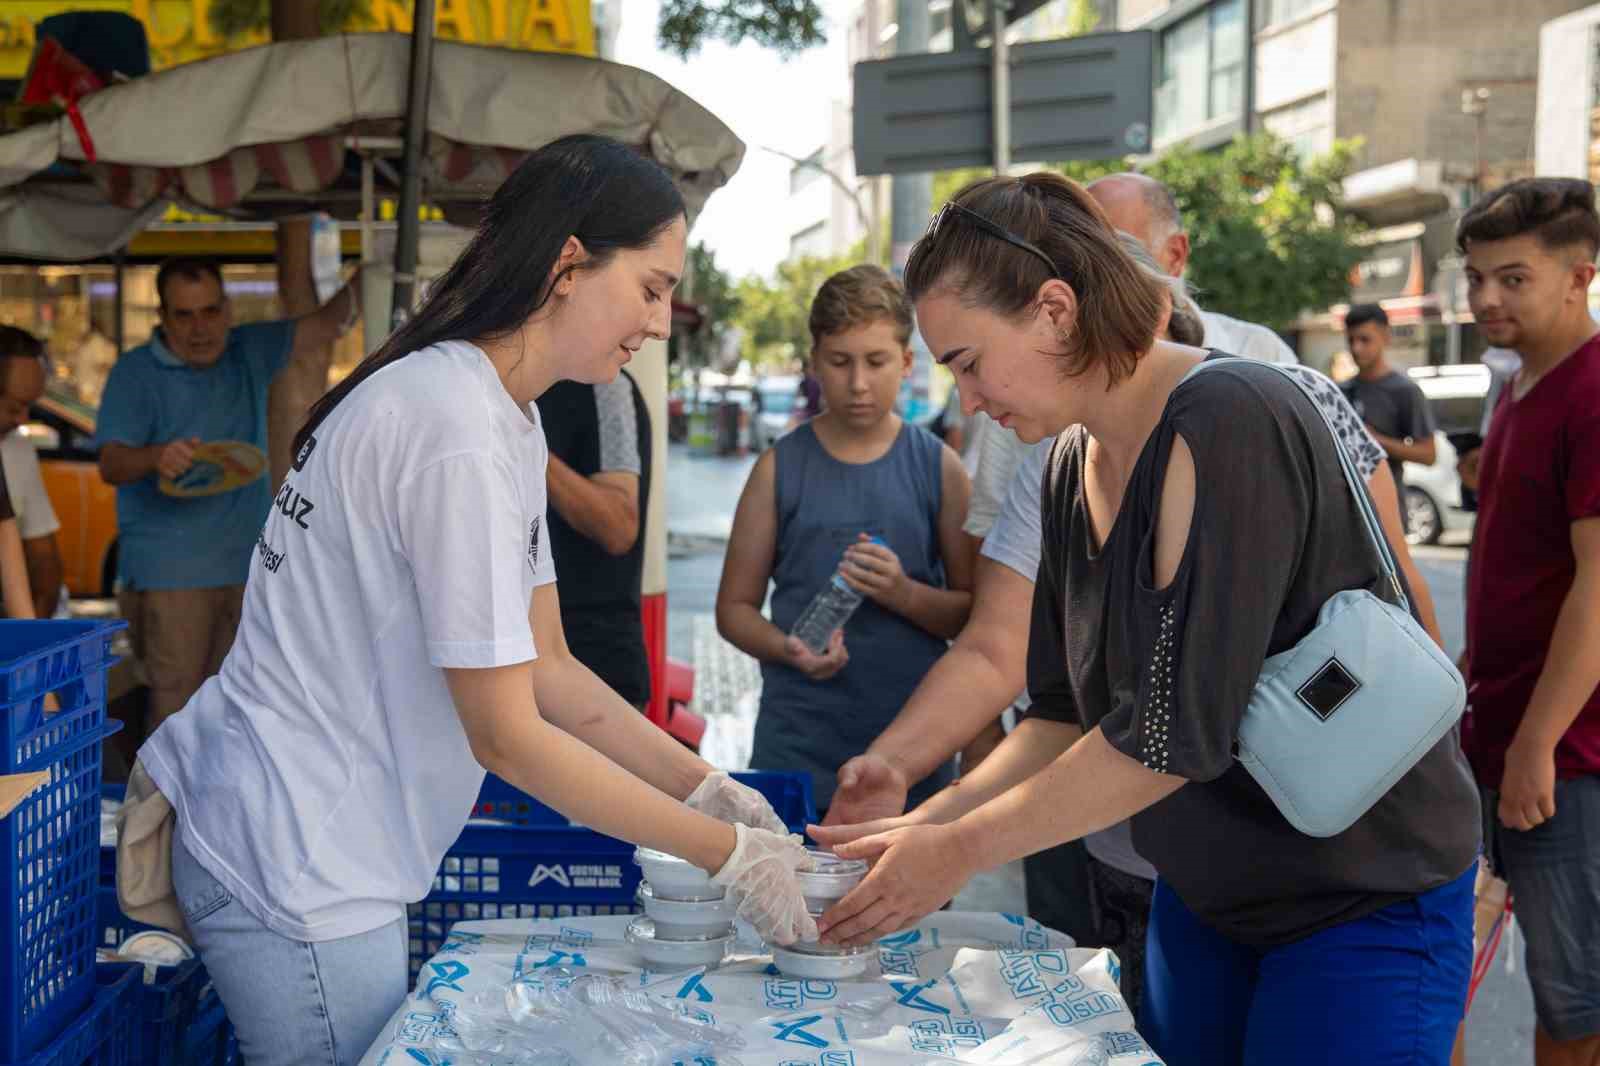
(916, 870)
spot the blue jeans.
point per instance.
(292, 1003)
(1385, 990)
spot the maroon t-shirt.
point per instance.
(1540, 473)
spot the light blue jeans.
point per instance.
(292, 1003)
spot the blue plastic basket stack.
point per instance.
(179, 1016)
(106, 1031)
(50, 993)
(535, 864)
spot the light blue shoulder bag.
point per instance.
(1336, 720)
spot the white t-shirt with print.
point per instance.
(322, 775)
(35, 515)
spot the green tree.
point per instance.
(785, 26)
(773, 312)
(1083, 16)
(1269, 234)
(714, 293)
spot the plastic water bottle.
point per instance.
(829, 610)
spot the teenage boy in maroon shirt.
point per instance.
(1533, 595)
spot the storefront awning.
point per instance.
(264, 132)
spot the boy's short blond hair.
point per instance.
(856, 297)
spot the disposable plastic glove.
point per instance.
(720, 796)
(760, 877)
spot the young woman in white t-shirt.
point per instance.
(401, 634)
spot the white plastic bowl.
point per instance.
(683, 919)
(830, 878)
(675, 878)
(667, 955)
(799, 961)
(155, 946)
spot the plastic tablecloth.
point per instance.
(992, 989)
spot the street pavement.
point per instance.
(702, 494)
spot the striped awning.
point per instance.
(223, 133)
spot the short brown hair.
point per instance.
(858, 296)
(1558, 212)
(189, 269)
(1119, 304)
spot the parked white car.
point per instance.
(779, 395)
(1433, 498)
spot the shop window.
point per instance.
(1201, 71)
(1271, 13)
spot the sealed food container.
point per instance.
(685, 919)
(675, 878)
(155, 946)
(817, 962)
(829, 879)
(664, 955)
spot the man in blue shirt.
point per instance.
(183, 561)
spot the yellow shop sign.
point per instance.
(180, 30)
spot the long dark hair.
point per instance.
(598, 190)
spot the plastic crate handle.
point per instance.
(45, 760)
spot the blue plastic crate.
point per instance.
(37, 657)
(106, 1032)
(170, 1003)
(112, 927)
(789, 794)
(210, 1041)
(108, 855)
(172, 1007)
(49, 845)
(544, 867)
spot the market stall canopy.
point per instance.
(264, 132)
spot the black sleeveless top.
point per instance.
(1166, 674)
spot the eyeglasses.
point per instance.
(992, 229)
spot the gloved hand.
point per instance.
(720, 796)
(760, 877)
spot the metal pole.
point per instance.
(118, 327)
(1478, 181)
(409, 230)
(909, 194)
(1000, 91)
(1249, 66)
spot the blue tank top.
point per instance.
(822, 504)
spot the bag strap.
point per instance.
(1369, 515)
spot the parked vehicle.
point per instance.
(62, 429)
(1433, 499)
(777, 396)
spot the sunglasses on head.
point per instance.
(954, 210)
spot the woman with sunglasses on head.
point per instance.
(1191, 528)
(401, 634)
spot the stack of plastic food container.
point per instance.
(829, 880)
(687, 921)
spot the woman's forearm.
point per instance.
(1031, 747)
(1090, 787)
(572, 698)
(14, 589)
(511, 739)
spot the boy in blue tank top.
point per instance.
(856, 471)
